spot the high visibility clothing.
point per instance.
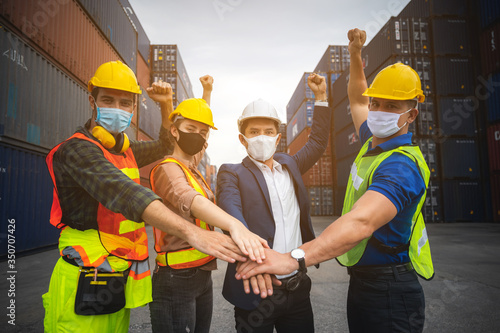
(258, 109)
(189, 257)
(59, 304)
(360, 179)
(396, 81)
(115, 75)
(194, 109)
(118, 244)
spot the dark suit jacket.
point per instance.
(242, 192)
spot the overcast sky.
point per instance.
(254, 48)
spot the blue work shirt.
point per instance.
(397, 178)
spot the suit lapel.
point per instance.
(250, 165)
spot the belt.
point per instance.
(291, 283)
(380, 270)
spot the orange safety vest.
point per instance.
(120, 237)
(184, 258)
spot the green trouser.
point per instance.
(59, 304)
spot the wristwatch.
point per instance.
(299, 255)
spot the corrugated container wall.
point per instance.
(111, 18)
(460, 158)
(432, 208)
(490, 49)
(451, 37)
(335, 59)
(150, 116)
(493, 99)
(143, 73)
(493, 134)
(457, 116)
(73, 47)
(495, 193)
(167, 58)
(26, 192)
(301, 120)
(454, 76)
(301, 93)
(490, 12)
(426, 8)
(463, 201)
(281, 148)
(143, 41)
(342, 115)
(39, 103)
(347, 142)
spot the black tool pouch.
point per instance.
(100, 293)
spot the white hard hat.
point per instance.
(258, 109)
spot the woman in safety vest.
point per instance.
(182, 283)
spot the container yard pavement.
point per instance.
(464, 296)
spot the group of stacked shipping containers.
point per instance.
(50, 51)
(319, 179)
(436, 38)
(490, 71)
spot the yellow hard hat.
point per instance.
(194, 109)
(115, 75)
(397, 82)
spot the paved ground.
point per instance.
(464, 296)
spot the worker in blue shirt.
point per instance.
(381, 235)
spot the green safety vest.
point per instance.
(362, 171)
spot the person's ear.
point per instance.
(242, 140)
(174, 131)
(278, 140)
(413, 115)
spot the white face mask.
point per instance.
(384, 124)
(261, 147)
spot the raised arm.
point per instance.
(162, 93)
(357, 80)
(207, 82)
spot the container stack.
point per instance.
(48, 58)
(434, 38)
(318, 179)
(282, 144)
(490, 72)
(167, 65)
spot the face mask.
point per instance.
(113, 120)
(261, 147)
(190, 143)
(384, 124)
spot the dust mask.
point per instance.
(262, 147)
(384, 124)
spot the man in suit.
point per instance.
(267, 194)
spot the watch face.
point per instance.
(298, 254)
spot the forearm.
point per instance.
(341, 236)
(210, 213)
(207, 94)
(166, 109)
(355, 89)
(159, 216)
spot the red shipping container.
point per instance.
(301, 140)
(63, 32)
(490, 49)
(143, 73)
(495, 196)
(494, 147)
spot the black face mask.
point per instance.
(190, 143)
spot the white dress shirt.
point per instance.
(285, 207)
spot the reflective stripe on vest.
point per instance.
(185, 258)
(360, 178)
(119, 236)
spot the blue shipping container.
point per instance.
(347, 142)
(26, 192)
(342, 115)
(301, 92)
(114, 23)
(149, 116)
(344, 170)
(302, 119)
(39, 103)
(432, 208)
(460, 158)
(493, 100)
(463, 201)
(490, 12)
(457, 116)
(143, 41)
